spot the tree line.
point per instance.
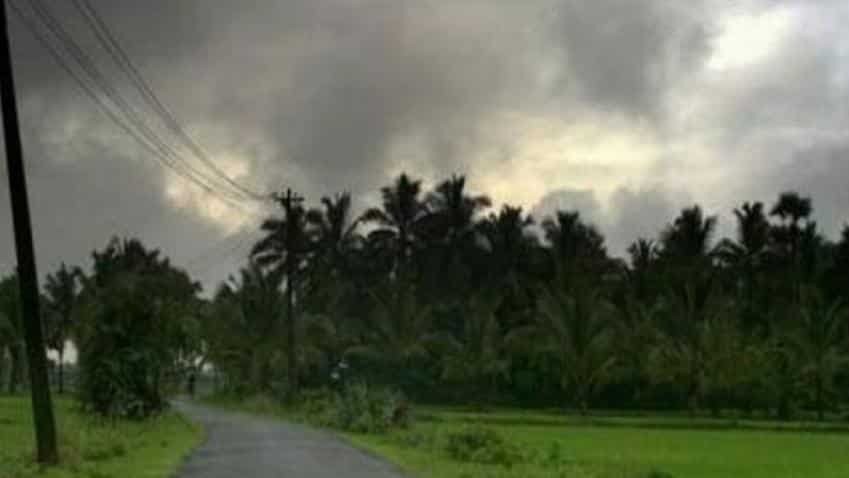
(436, 294)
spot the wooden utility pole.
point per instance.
(42, 407)
(291, 202)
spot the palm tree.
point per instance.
(699, 344)
(794, 211)
(452, 212)
(398, 334)
(688, 238)
(792, 208)
(819, 342)
(285, 249)
(635, 332)
(574, 244)
(643, 255)
(508, 260)
(451, 239)
(63, 288)
(248, 314)
(477, 355)
(510, 244)
(335, 233)
(11, 335)
(574, 328)
(746, 256)
(399, 219)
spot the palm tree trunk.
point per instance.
(61, 368)
(16, 369)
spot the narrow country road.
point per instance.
(242, 446)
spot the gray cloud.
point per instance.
(325, 95)
(623, 55)
(630, 214)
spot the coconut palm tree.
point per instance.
(63, 289)
(510, 244)
(643, 254)
(699, 344)
(575, 246)
(335, 233)
(398, 220)
(574, 328)
(688, 238)
(11, 334)
(248, 314)
(285, 249)
(746, 257)
(452, 212)
(477, 356)
(397, 335)
(450, 241)
(819, 342)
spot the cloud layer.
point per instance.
(627, 110)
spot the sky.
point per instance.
(626, 110)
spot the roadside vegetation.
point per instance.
(95, 448)
(352, 321)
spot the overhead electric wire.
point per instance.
(241, 237)
(88, 65)
(111, 44)
(144, 140)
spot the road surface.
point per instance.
(243, 446)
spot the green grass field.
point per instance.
(624, 447)
(94, 448)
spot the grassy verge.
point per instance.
(95, 448)
(569, 450)
(554, 445)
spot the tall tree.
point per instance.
(134, 304)
(747, 257)
(819, 341)
(285, 249)
(688, 238)
(575, 245)
(11, 333)
(574, 328)
(62, 288)
(398, 220)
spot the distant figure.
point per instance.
(191, 385)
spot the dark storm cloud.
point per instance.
(325, 95)
(623, 55)
(631, 214)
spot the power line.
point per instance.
(88, 65)
(240, 237)
(110, 42)
(146, 138)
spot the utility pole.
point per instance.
(42, 407)
(290, 202)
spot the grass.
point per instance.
(94, 448)
(554, 445)
(623, 447)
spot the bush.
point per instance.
(658, 474)
(478, 444)
(357, 408)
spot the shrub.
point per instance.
(478, 444)
(658, 474)
(359, 408)
(356, 408)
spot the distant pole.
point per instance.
(42, 407)
(290, 201)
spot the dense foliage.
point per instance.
(435, 295)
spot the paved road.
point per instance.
(241, 446)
